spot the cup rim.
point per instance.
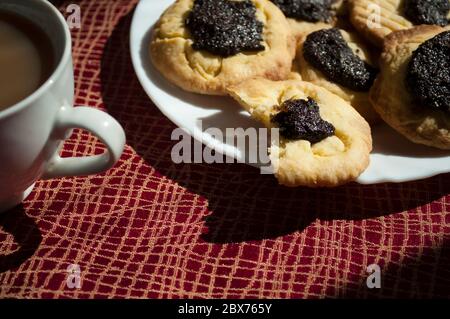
(56, 72)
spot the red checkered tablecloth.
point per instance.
(151, 228)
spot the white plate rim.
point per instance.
(366, 178)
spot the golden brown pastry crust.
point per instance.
(198, 71)
(334, 161)
(359, 100)
(362, 13)
(391, 99)
(301, 29)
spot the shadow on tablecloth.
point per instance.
(246, 206)
(423, 276)
(254, 206)
(26, 234)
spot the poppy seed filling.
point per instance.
(327, 51)
(427, 11)
(224, 27)
(428, 73)
(300, 120)
(306, 10)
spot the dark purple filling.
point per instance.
(224, 27)
(300, 120)
(427, 11)
(306, 10)
(428, 75)
(327, 51)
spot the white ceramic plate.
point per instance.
(394, 159)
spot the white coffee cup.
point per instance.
(33, 130)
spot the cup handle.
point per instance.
(101, 124)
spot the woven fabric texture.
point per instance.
(151, 228)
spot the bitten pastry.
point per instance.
(340, 62)
(378, 18)
(324, 142)
(306, 16)
(412, 93)
(204, 46)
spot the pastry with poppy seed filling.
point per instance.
(376, 19)
(412, 93)
(306, 16)
(340, 62)
(324, 143)
(204, 46)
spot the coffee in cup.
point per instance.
(37, 92)
(26, 58)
